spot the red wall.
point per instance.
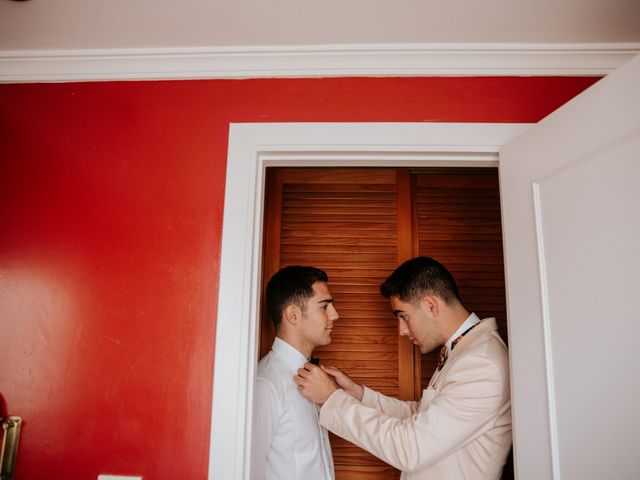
(111, 198)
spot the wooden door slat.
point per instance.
(459, 224)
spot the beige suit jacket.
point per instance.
(460, 429)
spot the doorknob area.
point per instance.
(9, 448)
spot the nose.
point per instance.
(333, 314)
(403, 329)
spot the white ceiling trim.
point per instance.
(314, 61)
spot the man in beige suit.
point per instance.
(461, 428)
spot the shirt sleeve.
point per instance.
(473, 394)
(389, 405)
(267, 410)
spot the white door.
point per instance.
(570, 189)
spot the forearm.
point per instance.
(388, 405)
(391, 439)
(356, 391)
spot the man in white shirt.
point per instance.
(461, 428)
(288, 441)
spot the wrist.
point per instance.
(359, 392)
(356, 391)
(330, 392)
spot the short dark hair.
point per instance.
(420, 276)
(291, 285)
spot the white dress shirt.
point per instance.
(287, 439)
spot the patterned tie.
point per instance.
(443, 357)
(444, 354)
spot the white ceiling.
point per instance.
(108, 24)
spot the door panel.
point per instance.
(570, 199)
(457, 215)
(345, 222)
(358, 225)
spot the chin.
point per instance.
(427, 348)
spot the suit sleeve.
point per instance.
(267, 410)
(388, 405)
(470, 398)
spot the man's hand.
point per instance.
(345, 382)
(314, 384)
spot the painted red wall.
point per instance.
(111, 198)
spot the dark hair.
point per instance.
(291, 285)
(420, 276)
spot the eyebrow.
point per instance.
(326, 300)
(397, 312)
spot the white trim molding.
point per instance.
(314, 61)
(253, 148)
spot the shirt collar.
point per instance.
(466, 325)
(290, 355)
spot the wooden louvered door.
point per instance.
(345, 221)
(457, 219)
(358, 224)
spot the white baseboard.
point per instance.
(314, 61)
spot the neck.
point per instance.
(296, 342)
(453, 319)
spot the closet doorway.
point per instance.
(358, 224)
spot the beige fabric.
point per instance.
(461, 428)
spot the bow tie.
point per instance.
(314, 360)
(444, 353)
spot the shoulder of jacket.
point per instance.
(487, 349)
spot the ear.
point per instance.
(431, 304)
(292, 314)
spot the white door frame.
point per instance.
(252, 148)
